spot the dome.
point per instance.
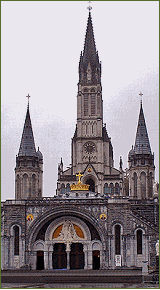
(39, 154)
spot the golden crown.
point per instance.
(80, 185)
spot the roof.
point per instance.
(89, 52)
(142, 145)
(89, 59)
(27, 145)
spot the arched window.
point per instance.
(139, 242)
(117, 188)
(117, 239)
(18, 187)
(86, 104)
(33, 184)
(62, 188)
(92, 128)
(135, 184)
(143, 185)
(16, 240)
(93, 104)
(91, 183)
(106, 188)
(111, 188)
(150, 193)
(68, 187)
(98, 105)
(25, 187)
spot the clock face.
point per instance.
(89, 147)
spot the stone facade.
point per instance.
(85, 226)
(101, 228)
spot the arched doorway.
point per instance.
(59, 256)
(40, 260)
(91, 182)
(76, 256)
(96, 260)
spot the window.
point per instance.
(143, 185)
(98, 105)
(117, 240)
(111, 188)
(106, 188)
(139, 242)
(62, 188)
(16, 240)
(135, 184)
(25, 180)
(68, 187)
(93, 104)
(150, 193)
(117, 188)
(85, 104)
(33, 184)
(18, 187)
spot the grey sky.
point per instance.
(41, 45)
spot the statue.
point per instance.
(157, 248)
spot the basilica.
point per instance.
(100, 217)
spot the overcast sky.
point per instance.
(41, 45)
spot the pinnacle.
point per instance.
(142, 145)
(27, 146)
(89, 52)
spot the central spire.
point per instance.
(89, 65)
(89, 52)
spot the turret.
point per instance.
(29, 165)
(141, 163)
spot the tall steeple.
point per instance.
(29, 164)
(27, 145)
(89, 65)
(92, 151)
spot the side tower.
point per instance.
(141, 163)
(92, 151)
(29, 165)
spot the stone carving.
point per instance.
(68, 233)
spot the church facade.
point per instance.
(95, 221)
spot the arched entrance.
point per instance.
(59, 256)
(68, 242)
(76, 256)
(91, 182)
(96, 260)
(40, 260)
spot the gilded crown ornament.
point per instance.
(80, 185)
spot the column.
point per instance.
(90, 260)
(46, 266)
(50, 260)
(11, 252)
(68, 260)
(85, 259)
(68, 249)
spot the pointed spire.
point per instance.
(27, 146)
(89, 57)
(142, 145)
(89, 52)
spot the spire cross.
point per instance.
(141, 97)
(89, 8)
(28, 98)
(79, 175)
